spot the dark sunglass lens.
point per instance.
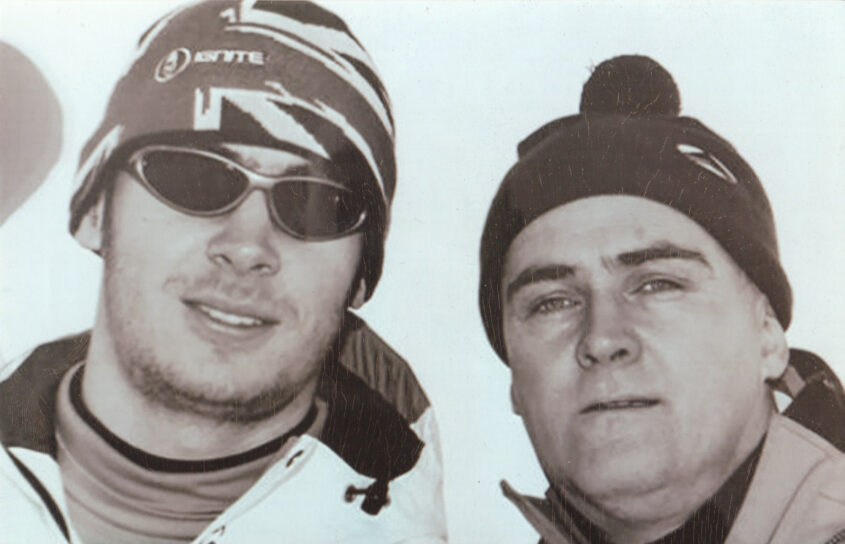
(192, 181)
(318, 210)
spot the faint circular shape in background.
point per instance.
(30, 129)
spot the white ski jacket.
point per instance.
(373, 475)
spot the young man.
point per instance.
(630, 279)
(238, 191)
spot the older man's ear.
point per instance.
(774, 352)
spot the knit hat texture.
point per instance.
(287, 75)
(629, 139)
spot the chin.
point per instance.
(616, 481)
(227, 389)
(228, 396)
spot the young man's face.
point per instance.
(225, 316)
(639, 352)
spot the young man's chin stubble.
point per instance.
(166, 392)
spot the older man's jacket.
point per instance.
(797, 493)
(373, 475)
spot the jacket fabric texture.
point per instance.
(797, 493)
(374, 474)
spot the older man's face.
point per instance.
(639, 352)
(225, 316)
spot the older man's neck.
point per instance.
(644, 516)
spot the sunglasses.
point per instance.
(205, 184)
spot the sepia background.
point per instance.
(468, 80)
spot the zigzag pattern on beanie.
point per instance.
(287, 75)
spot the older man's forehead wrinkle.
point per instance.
(537, 274)
(660, 251)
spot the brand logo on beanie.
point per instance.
(178, 60)
(708, 161)
(173, 64)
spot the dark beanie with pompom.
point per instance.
(629, 139)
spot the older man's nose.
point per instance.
(245, 244)
(608, 336)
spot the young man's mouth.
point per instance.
(230, 316)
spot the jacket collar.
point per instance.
(558, 522)
(538, 512)
(363, 427)
(791, 452)
(28, 408)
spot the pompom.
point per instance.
(631, 85)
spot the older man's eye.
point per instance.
(555, 304)
(658, 285)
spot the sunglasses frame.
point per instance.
(257, 182)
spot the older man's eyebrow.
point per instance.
(659, 252)
(536, 274)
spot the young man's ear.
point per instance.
(360, 296)
(90, 230)
(773, 348)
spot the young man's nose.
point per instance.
(608, 336)
(246, 242)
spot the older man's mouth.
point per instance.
(620, 404)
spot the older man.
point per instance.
(630, 279)
(238, 191)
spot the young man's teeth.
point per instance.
(230, 319)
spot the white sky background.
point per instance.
(468, 80)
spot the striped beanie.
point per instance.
(286, 75)
(629, 139)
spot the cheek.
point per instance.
(547, 392)
(545, 381)
(321, 275)
(704, 358)
(148, 240)
(541, 355)
(152, 268)
(545, 400)
(539, 347)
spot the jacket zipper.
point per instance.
(838, 538)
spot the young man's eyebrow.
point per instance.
(299, 170)
(255, 165)
(535, 274)
(660, 251)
